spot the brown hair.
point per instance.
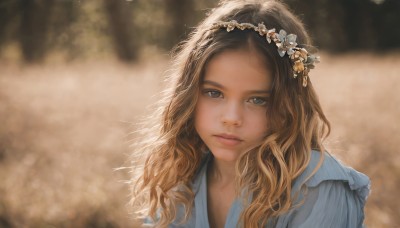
(173, 151)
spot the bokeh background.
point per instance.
(77, 75)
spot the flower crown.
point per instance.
(301, 59)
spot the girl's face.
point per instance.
(231, 112)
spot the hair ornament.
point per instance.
(302, 61)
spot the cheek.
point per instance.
(258, 123)
(200, 114)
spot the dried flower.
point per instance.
(298, 66)
(286, 44)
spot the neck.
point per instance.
(221, 172)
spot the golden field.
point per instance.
(65, 129)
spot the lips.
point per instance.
(228, 140)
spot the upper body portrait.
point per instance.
(237, 140)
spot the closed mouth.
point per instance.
(229, 137)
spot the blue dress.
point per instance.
(335, 197)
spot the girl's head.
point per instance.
(288, 95)
(291, 123)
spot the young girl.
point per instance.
(238, 138)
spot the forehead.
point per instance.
(244, 67)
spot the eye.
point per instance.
(259, 101)
(212, 93)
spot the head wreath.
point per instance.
(302, 61)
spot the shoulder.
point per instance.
(331, 195)
(327, 194)
(333, 170)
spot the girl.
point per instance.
(239, 136)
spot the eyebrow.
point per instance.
(216, 84)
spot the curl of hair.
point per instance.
(173, 152)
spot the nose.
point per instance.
(232, 114)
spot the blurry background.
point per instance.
(75, 75)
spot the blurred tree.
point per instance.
(180, 14)
(388, 28)
(34, 28)
(80, 29)
(61, 37)
(8, 18)
(356, 24)
(344, 25)
(119, 14)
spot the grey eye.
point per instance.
(258, 101)
(213, 93)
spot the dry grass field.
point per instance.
(64, 128)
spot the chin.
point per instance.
(225, 155)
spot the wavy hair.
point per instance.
(171, 152)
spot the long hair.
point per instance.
(173, 151)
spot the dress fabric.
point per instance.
(335, 198)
